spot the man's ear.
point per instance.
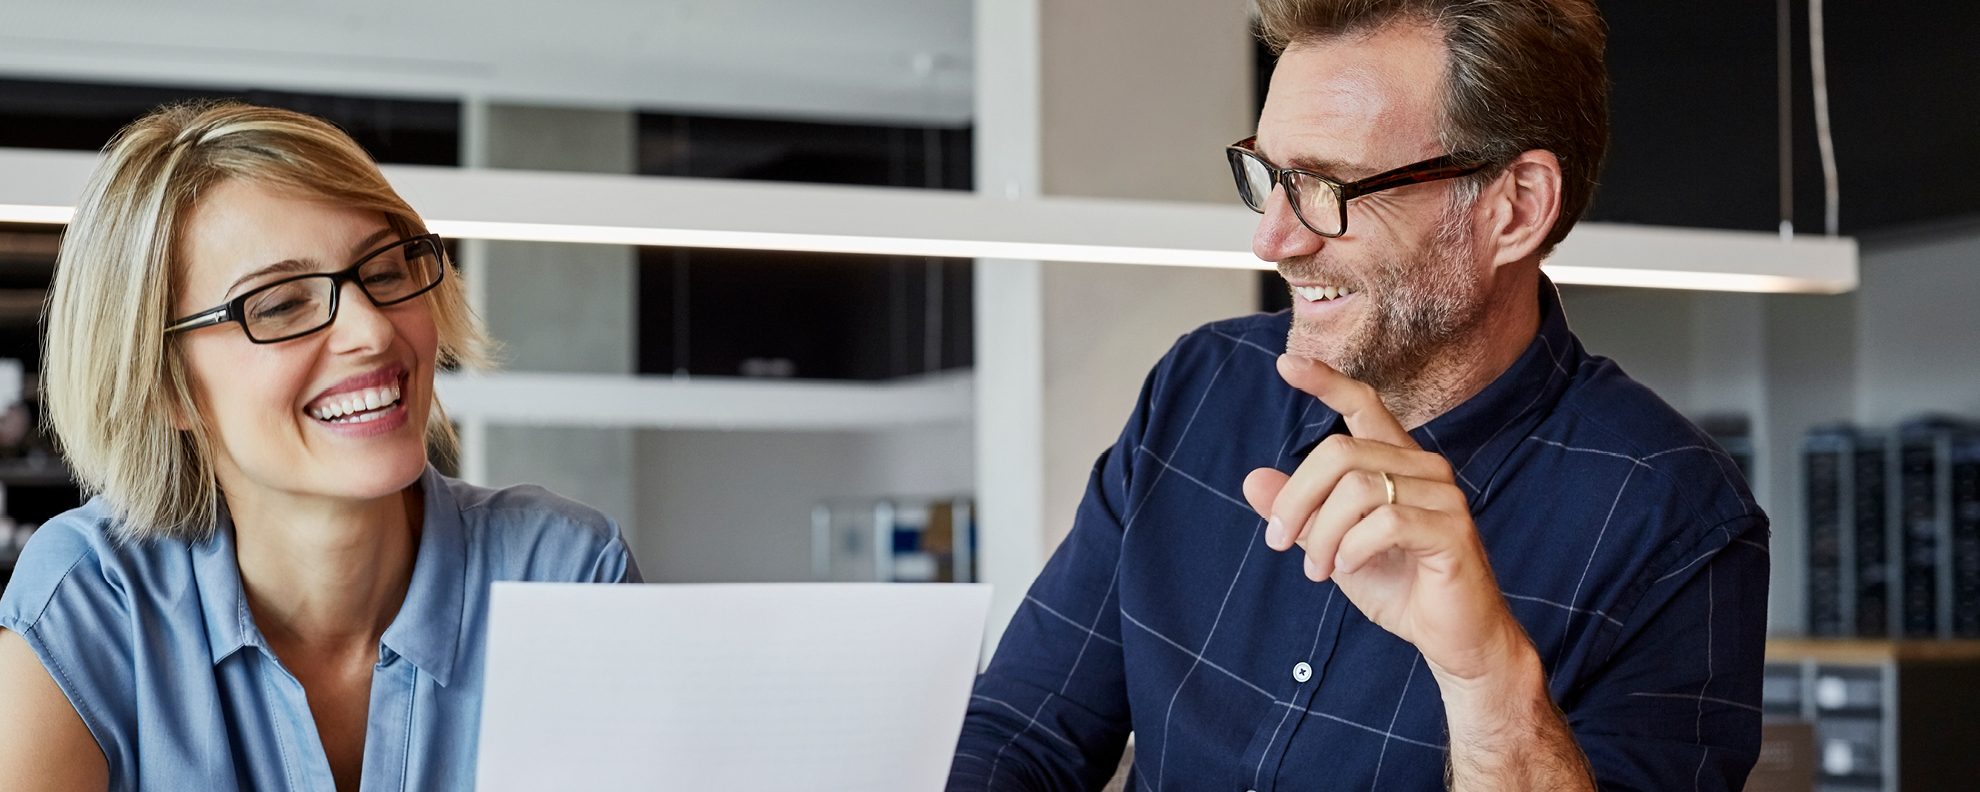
(1521, 206)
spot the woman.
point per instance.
(271, 587)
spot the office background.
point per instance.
(803, 415)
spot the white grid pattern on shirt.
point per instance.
(1365, 727)
(1440, 452)
(1199, 658)
(1685, 566)
(1719, 459)
(1574, 600)
(1032, 717)
(1569, 608)
(1319, 629)
(1691, 697)
(1207, 662)
(1127, 525)
(1404, 696)
(1233, 586)
(1067, 619)
(1538, 394)
(1703, 751)
(1243, 341)
(1644, 463)
(1170, 467)
(1162, 764)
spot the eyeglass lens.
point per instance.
(303, 305)
(1315, 202)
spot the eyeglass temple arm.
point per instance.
(1434, 170)
(206, 318)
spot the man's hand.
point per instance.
(1386, 521)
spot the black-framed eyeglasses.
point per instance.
(302, 304)
(1319, 202)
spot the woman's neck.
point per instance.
(323, 574)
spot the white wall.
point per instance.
(736, 506)
(1108, 325)
(1088, 99)
(1811, 368)
(1906, 342)
(897, 60)
(1918, 314)
(1648, 332)
(557, 308)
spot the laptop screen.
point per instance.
(852, 686)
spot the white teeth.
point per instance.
(1321, 293)
(341, 409)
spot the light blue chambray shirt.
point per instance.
(154, 644)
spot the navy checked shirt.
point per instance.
(1623, 539)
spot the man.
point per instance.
(1433, 542)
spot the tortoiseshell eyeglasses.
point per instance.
(1319, 202)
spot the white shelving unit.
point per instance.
(719, 403)
(589, 208)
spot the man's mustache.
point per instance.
(1310, 270)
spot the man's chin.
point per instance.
(1316, 344)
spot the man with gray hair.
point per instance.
(1518, 569)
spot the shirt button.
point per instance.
(1302, 672)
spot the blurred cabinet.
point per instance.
(1887, 715)
(895, 541)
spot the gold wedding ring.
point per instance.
(1389, 482)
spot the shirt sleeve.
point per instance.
(611, 561)
(616, 563)
(63, 604)
(1677, 705)
(1051, 710)
(558, 539)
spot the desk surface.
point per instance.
(1841, 650)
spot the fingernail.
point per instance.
(1313, 570)
(1274, 532)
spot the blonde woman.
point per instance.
(271, 587)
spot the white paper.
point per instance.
(831, 686)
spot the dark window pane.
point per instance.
(83, 116)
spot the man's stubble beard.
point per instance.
(1419, 307)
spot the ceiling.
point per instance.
(1696, 138)
(871, 60)
(1696, 133)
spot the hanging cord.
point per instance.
(1784, 90)
(1818, 64)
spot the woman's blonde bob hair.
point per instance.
(112, 382)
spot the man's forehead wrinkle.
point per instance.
(1354, 97)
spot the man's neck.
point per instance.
(1459, 371)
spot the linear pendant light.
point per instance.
(41, 187)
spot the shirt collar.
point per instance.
(427, 629)
(229, 625)
(1477, 435)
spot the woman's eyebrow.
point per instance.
(283, 267)
(302, 265)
